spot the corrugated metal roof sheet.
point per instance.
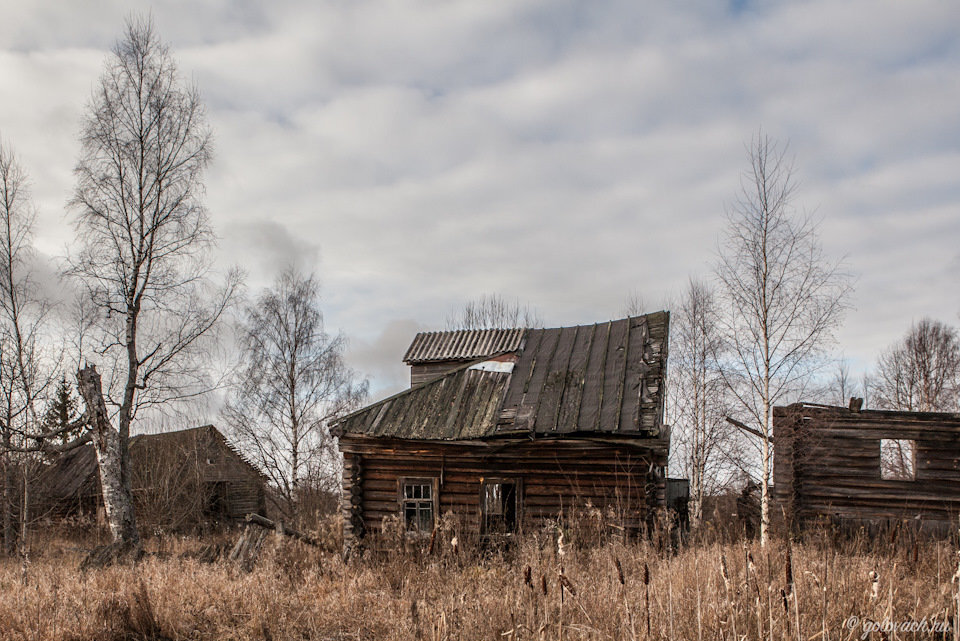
(603, 378)
(463, 345)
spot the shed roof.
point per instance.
(75, 472)
(462, 345)
(601, 378)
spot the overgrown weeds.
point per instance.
(538, 587)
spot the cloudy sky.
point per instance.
(564, 153)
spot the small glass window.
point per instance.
(418, 505)
(898, 459)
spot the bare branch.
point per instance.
(494, 312)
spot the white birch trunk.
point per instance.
(117, 495)
(765, 476)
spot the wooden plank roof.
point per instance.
(602, 378)
(463, 345)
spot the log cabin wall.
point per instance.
(827, 465)
(244, 486)
(554, 476)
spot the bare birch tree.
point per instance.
(782, 296)
(292, 384)
(144, 253)
(23, 378)
(921, 373)
(701, 434)
(493, 312)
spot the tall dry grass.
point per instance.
(535, 589)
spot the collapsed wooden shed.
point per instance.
(866, 467)
(507, 428)
(179, 479)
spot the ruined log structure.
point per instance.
(180, 479)
(867, 467)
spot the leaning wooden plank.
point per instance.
(247, 548)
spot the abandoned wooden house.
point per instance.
(507, 428)
(866, 467)
(180, 479)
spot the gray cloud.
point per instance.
(381, 358)
(266, 247)
(564, 154)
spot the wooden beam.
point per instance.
(747, 429)
(265, 523)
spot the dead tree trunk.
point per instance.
(117, 494)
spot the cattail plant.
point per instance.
(752, 574)
(646, 593)
(725, 575)
(788, 571)
(956, 616)
(623, 596)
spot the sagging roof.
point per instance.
(462, 345)
(602, 378)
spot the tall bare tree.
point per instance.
(866, 389)
(701, 434)
(23, 377)
(841, 384)
(921, 372)
(634, 305)
(493, 311)
(782, 296)
(144, 252)
(293, 382)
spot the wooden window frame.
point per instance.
(518, 497)
(434, 483)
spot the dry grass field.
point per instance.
(531, 591)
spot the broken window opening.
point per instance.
(499, 506)
(898, 459)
